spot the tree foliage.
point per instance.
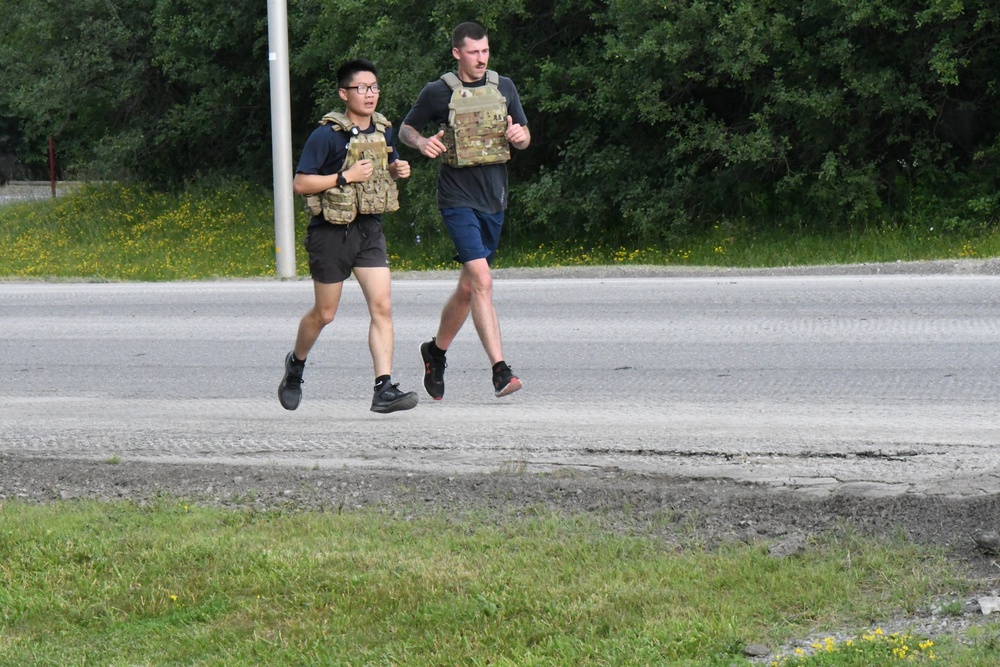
(825, 112)
(650, 118)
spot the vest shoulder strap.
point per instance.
(492, 79)
(339, 120)
(452, 80)
(381, 122)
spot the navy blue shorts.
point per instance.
(476, 235)
(334, 250)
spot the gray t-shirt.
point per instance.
(482, 187)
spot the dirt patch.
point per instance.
(676, 510)
(708, 511)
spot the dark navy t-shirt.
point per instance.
(326, 150)
(482, 187)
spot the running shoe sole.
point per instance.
(509, 388)
(405, 402)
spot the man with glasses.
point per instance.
(347, 171)
(480, 116)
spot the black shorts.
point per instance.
(335, 250)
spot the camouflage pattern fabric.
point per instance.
(341, 204)
(477, 120)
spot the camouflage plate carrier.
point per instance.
(477, 120)
(341, 204)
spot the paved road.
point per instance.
(18, 191)
(868, 384)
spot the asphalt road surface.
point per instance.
(871, 380)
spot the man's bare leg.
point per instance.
(312, 324)
(376, 285)
(474, 294)
(316, 319)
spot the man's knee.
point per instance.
(380, 309)
(481, 284)
(322, 316)
(463, 293)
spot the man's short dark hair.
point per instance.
(467, 30)
(346, 72)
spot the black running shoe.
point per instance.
(290, 389)
(433, 371)
(390, 399)
(505, 382)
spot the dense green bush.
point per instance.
(651, 119)
(828, 112)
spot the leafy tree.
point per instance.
(829, 112)
(71, 67)
(650, 118)
(212, 59)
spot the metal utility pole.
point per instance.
(52, 164)
(281, 138)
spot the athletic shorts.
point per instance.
(476, 235)
(335, 250)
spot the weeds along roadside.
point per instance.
(132, 233)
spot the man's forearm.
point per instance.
(409, 136)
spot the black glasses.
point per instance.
(363, 89)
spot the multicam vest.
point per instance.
(477, 120)
(341, 204)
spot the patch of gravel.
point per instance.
(677, 510)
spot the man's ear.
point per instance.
(456, 53)
(342, 93)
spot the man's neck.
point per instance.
(469, 78)
(362, 122)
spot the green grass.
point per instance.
(133, 233)
(171, 583)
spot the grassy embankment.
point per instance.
(173, 582)
(128, 233)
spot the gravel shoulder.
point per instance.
(675, 509)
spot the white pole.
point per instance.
(281, 138)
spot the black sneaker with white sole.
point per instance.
(504, 381)
(290, 389)
(388, 398)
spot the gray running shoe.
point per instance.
(433, 371)
(390, 399)
(505, 382)
(290, 389)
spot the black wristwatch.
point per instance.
(341, 180)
